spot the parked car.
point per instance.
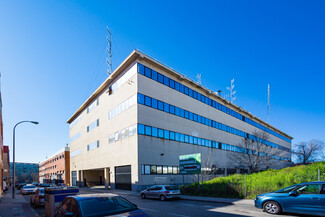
(20, 185)
(28, 189)
(162, 192)
(87, 205)
(38, 198)
(304, 198)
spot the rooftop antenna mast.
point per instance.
(232, 91)
(109, 51)
(268, 102)
(198, 78)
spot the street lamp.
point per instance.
(13, 152)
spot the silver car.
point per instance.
(162, 192)
(28, 189)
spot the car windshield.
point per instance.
(171, 188)
(29, 186)
(103, 206)
(287, 189)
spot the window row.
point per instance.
(75, 122)
(75, 153)
(123, 106)
(180, 137)
(119, 82)
(93, 125)
(193, 94)
(155, 169)
(157, 104)
(75, 137)
(93, 145)
(93, 105)
(129, 131)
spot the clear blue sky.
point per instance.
(52, 57)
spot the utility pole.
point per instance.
(109, 51)
(198, 78)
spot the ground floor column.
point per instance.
(107, 177)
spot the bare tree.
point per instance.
(308, 151)
(252, 153)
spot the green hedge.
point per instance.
(234, 186)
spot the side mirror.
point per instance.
(292, 193)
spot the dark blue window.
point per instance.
(166, 134)
(140, 69)
(203, 120)
(172, 135)
(199, 96)
(176, 86)
(190, 138)
(172, 109)
(190, 92)
(195, 117)
(195, 141)
(181, 88)
(172, 83)
(195, 94)
(199, 118)
(207, 100)
(177, 111)
(181, 137)
(214, 124)
(147, 101)
(147, 72)
(177, 137)
(186, 139)
(186, 114)
(160, 133)
(140, 98)
(199, 141)
(166, 107)
(148, 130)
(166, 81)
(186, 90)
(154, 132)
(140, 129)
(203, 98)
(181, 112)
(160, 78)
(213, 103)
(154, 103)
(191, 116)
(161, 105)
(213, 144)
(154, 75)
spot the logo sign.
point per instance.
(190, 164)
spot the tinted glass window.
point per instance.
(140, 129)
(287, 189)
(166, 81)
(140, 98)
(147, 101)
(160, 105)
(309, 189)
(172, 109)
(160, 78)
(172, 83)
(148, 130)
(154, 75)
(154, 132)
(140, 69)
(147, 72)
(166, 107)
(154, 103)
(171, 188)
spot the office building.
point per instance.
(56, 168)
(131, 131)
(25, 172)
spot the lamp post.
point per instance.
(13, 152)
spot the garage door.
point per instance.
(123, 177)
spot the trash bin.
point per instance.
(55, 195)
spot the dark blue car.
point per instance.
(305, 198)
(97, 205)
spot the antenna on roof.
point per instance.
(268, 102)
(198, 78)
(232, 91)
(109, 51)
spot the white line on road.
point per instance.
(152, 210)
(177, 215)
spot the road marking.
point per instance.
(152, 210)
(177, 215)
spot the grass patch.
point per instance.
(270, 180)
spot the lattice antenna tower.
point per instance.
(268, 102)
(198, 78)
(232, 92)
(109, 51)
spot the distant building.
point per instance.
(131, 131)
(56, 169)
(25, 172)
(6, 165)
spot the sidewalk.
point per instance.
(183, 197)
(15, 207)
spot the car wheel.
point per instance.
(162, 197)
(143, 196)
(272, 207)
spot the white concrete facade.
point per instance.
(101, 119)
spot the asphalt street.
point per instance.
(185, 208)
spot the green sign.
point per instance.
(190, 164)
